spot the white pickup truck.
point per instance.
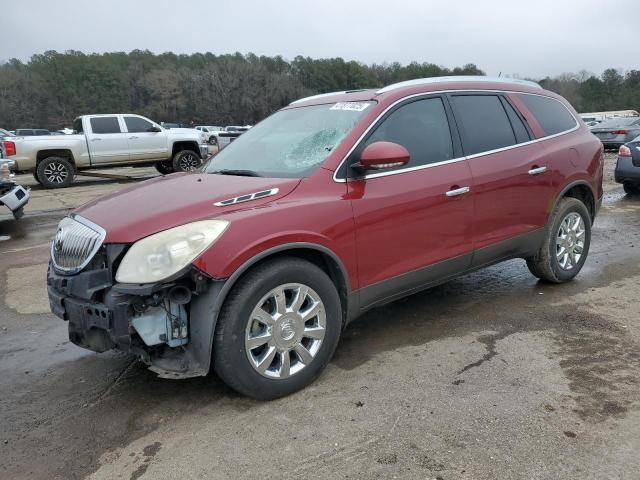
(103, 141)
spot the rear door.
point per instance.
(512, 185)
(106, 139)
(143, 143)
(413, 224)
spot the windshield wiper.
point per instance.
(240, 173)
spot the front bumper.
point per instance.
(626, 171)
(15, 200)
(204, 151)
(174, 340)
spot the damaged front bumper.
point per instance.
(168, 325)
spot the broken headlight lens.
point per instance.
(163, 254)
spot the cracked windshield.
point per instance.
(291, 143)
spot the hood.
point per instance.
(165, 202)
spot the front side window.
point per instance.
(105, 125)
(484, 121)
(137, 124)
(291, 143)
(552, 115)
(421, 127)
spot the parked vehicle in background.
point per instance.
(6, 133)
(592, 123)
(617, 131)
(31, 132)
(12, 195)
(331, 206)
(103, 141)
(209, 132)
(224, 137)
(173, 125)
(627, 170)
(602, 116)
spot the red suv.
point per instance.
(333, 205)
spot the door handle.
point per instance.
(537, 170)
(457, 191)
(95, 139)
(131, 138)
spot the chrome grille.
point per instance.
(76, 242)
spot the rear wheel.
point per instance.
(165, 167)
(186, 161)
(55, 172)
(631, 188)
(566, 243)
(278, 329)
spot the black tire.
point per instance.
(35, 177)
(165, 167)
(212, 140)
(55, 172)
(230, 358)
(631, 188)
(545, 264)
(186, 161)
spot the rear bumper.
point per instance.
(626, 171)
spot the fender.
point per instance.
(569, 186)
(206, 307)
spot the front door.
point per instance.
(145, 144)
(107, 142)
(413, 224)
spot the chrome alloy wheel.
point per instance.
(189, 162)
(285, 330)
(570, 241)
(55, 172)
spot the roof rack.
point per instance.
(458, 78)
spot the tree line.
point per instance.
(52, 88)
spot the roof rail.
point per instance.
(457, 78)
(313, 97)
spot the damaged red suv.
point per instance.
(333, 205)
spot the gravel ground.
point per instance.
(490, 376)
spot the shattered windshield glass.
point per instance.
(291, 143)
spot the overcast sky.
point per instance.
(533, 38)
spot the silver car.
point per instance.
(616, 132)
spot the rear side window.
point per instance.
(485, 123)
(422, 128)
(137, 124)
(552, 115)
(105, 125)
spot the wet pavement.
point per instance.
(492, 375)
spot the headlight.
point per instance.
(159, 256)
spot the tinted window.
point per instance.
(522, 135)
(422, 128)
(137, 124)
(552, 115)
(77, 125)
(105, 125)
(42, 132)
(484, 122)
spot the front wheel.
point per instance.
(186, 161)
(566, 243)
(278, 329)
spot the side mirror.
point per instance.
(154, 129)
(382, 155)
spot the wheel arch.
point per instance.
(581, 190)
(185, 145)
(62, 152)
(319, 255)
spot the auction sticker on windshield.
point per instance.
(352, 106)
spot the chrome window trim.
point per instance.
(453, 160)
(89, 224)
